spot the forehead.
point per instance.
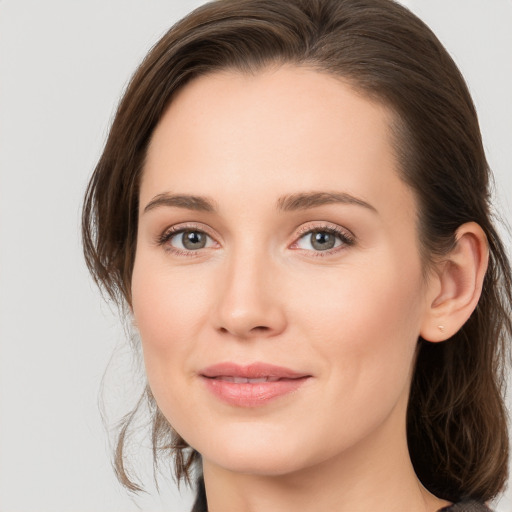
(282, 130)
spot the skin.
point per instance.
(260, 291)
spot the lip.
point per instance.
(251, 385)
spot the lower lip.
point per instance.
(248, 394)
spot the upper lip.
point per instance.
(251, 371)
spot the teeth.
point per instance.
(243, 380)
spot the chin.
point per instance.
(256, 451)
(260, 464)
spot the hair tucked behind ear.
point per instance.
(456, 421)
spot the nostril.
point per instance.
(254, 330)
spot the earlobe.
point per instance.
(457, 285)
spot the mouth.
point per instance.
(244, 380)
(251, 385)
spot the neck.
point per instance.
(375, 475)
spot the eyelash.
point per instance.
(166, 236)
(346, 237)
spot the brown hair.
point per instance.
(456, 422)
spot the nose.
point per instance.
(249, 302)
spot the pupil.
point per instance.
(193, 240)
(322, 240)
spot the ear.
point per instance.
(455, 287)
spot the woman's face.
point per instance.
(277, 284)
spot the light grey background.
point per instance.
(63, 65)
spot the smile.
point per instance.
(243, 380)
(253, 385)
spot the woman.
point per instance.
(293, 202)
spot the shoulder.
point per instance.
(467, 506)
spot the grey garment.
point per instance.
(467, 506)
(462, 506)
(200, 504)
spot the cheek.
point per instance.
(365, 324)
(167, 309)
(362, 303)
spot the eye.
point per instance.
(185, 240)
(191, 240)
(323, 239)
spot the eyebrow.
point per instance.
(307, 200)
(287, 203)
(189, 202)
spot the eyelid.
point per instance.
(168, 233)
(345, 235)
(323, 225)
